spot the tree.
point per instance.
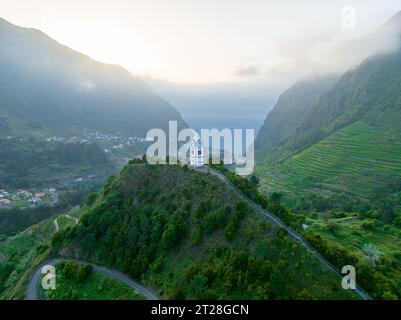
(84, 272)
(332, 226)
(276, 198)
(388, 212)
(254, 180)
(373, 253)
(70, 269)
(196, 237)
(90, 199)
(197, 286)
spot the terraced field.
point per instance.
(356, 160)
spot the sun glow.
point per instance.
(196, 41)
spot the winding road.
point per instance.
(32, 292)
(292, 233)
(55, 221)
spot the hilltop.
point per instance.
(186, 234)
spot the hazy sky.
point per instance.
(210, 40)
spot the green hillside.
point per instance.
(186, 234)
(337, 163)
(357, 160)
(281, 129)
(337, 135)
(20, 254)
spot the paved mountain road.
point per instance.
(55, 222)
(295, 235)
(73, 218)
(32, 292)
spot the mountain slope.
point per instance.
(329, 147)
(47, 88)
(282, 125)
(190, 236)
(344, 162)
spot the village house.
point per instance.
(40, 195)
(35, 200)
(24, 193)
(4, 203)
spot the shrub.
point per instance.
(368, 225)
(332, 226)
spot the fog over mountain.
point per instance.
(244, 102)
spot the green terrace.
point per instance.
(356, 160)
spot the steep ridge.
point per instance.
(315, 108)
(322, 144)
(47, 88)
(282, 126)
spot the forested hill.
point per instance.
(186, 234)
(47, 88)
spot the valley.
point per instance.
(331, 152)
(79, 192)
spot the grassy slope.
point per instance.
(28, 248)
(353, 236)
(119, 229)
(25, 250)
(65, 222)
(356, 160)
(22, 251)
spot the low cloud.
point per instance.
(249, 71)
(87, 85)
(325, 53)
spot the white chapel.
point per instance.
(196, 152)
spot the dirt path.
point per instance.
(55, 222)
